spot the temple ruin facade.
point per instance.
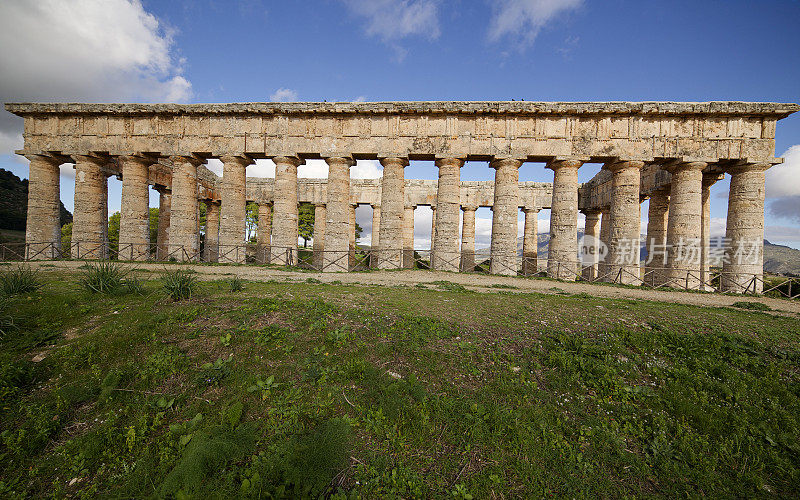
(668, 152)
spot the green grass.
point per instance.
(312, 389)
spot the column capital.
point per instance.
(592, 212)
(469, 208)
(89, 158)
(685, 165)
(710, 179)
(293, 160)
(530, 210)
(52, 159)
(186, 159)
(618, 165)
(375, 205)
(393, 160)
(243, 160)
(340, 160)
(320, 205)
(448, 161)
(499, 162)
(746, 167)
(566, 162)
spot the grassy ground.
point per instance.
(287, 390)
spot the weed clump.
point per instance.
(236, 284)
(180, 284)
(103, 277)
(753, 306)
(23, 279)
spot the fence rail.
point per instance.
(359, 259)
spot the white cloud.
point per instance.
(523, 19)
(392, 20)
(782, 233)
(283, 95)
(783, 186)
(262, 168)
(313, 169)
(89, 50)
(784, 179)
(366, 169)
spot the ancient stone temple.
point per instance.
(668, 152)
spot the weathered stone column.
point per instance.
(320, 229)
(105, 248)
(705, 231)
(684, 226)
(625, 222)
(232, 234)
(352, 236)
(284, 220)
(446, 256)
(43, 226)
(375, 239)
(408, 237)
(743, 268)
(337, 226)
(433, 232)
(605, 238)
(183, 236)
(390, 240)
(504, 216)
(89, 215)
(530, 242)
(562, 256)
(264, 233)
(134, 223)
(591, 234)
(211, 249)
(468, 239)
(164, 207)
(657, 255)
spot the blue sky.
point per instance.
(373, 50)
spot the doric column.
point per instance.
(684, 225)
(657, 255)
(183, 235)
(105, 248)
(164, 207)
(433, 231)
(320, 229)
(43, 226)
(562, 255)
(232, 233)
(591, 235)
(705, 231)
(447, 211)
(530, 242)
(390, 239)
(351, 228)
(605, 239)
(468, 239)
(284, 220)
(211, 250)
(374, 242)
(337, 226)
(264, 232)
(134, 223)
(625, 222)
(743, 267)
(408, 237)
(89, 215)
(504, 216)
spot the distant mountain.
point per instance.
(14, 202)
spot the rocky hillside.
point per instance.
(14, 202)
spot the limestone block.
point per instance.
(89, 216)
(684, 227)
(337, 225)
(390, 236)
(468, 239)
(232, 234)
(623, 264)
(562, 260)
(183, 233)
(134, 224)
(285, 216)
(447, 215)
